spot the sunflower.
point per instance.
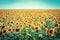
(51, 32)
(27, 27)
(56, 25)
(9, 29)
(42, 22)
(3, 26)
(4, 31)
(36, 27)
(17, 23)
(17, 30)
(11, 22)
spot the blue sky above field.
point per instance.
(29, 4)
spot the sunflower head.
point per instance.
(17, 30)
(56, 25)
(9, 29)
(17, 23)
(26, 27)
(4, 31)
(51, 32)
(42, 22)
(3, 27)
(11, 22)
(36, 27)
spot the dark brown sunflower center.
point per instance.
(11, 22)
(4, 31)
(3, 27)
(17, 30)
(17, 23)
(56, 25)
(9, 30)
(36, 28)
(51, 31)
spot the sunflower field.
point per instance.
(29, 25)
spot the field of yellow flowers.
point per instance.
(29, 24)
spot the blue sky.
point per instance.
(29, 4)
